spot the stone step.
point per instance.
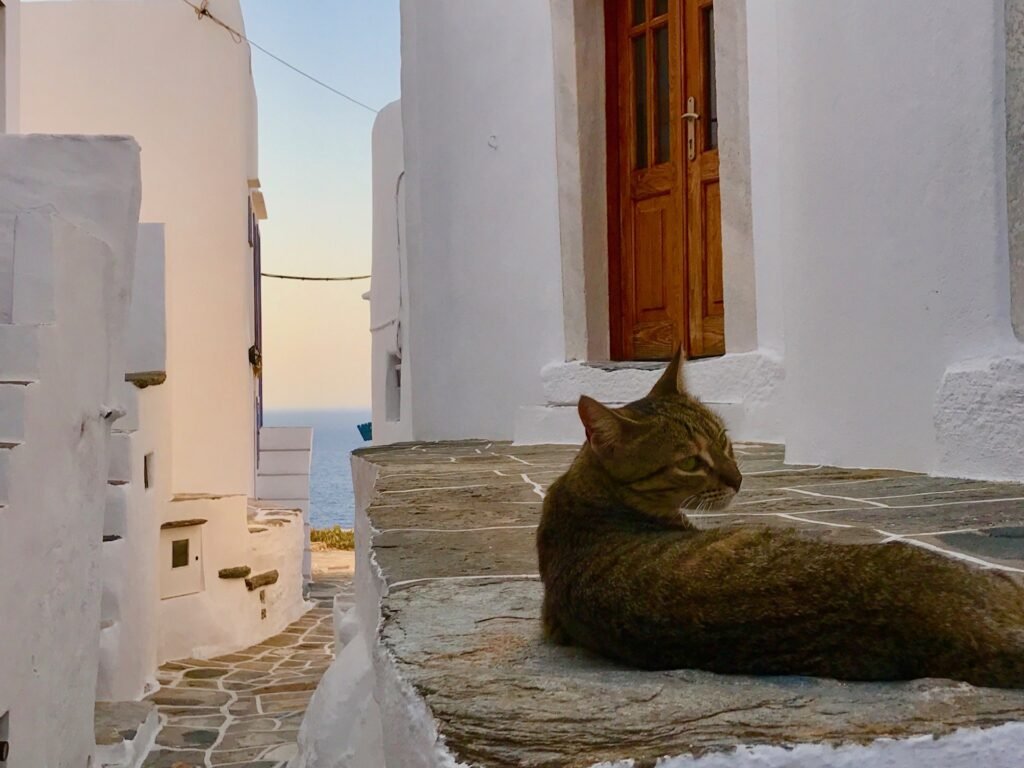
(6, 456)
(275, 487)
(113, 551)
(260, 580)
(745, 389)
(286, 439)
(12, 413)
(125, 731)
(120, 470)
(560, 424)
(115, 518)
(27, 239)
(284, 462)
(19, 353)
(300, 504)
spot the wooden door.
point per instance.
(664, 216)
(703, 191)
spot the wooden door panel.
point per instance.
(650, 340)
(706, 327)
(713, 321)
(651, 257)
(665, 270)
(660, 180)
(645, 195)
(714, 301)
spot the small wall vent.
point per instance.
(5, 738)
(181, 560)
(393, 389)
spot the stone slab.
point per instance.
(414, 555)
(908, 521)
(504, 697)
(448, 520)
(244, 709)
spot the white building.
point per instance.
(68, 222)
(200, 555)
(820, 200)
(10, 61)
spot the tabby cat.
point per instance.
(628, 576)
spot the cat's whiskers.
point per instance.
(689, 500)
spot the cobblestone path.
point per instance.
(244, 710)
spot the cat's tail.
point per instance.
(998, 660)
(986, 648)
(1003, 669)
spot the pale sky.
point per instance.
(315, 171)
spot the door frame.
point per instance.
(613, 133)
(583, 124)
(686, 242)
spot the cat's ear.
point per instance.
(671, 381)
(606, 428)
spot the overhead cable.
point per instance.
(316, 279)
(202, 12)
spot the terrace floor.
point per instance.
(454, 539)
(244, 710)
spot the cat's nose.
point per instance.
(732, 477)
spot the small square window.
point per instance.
(147, 470)
(179, 553)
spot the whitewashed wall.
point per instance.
(389, 289)
(147, 319)
(762, 70)
(71, 204)
(187, 98)
(10, 65)
(137, 495)
(891, 179)
(879, 231)
(130, 614)
(224, 615)
(282, 480)
(482, 212)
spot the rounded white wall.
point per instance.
(10, 66)
(892, 218)
(763, 72)
(391, 372)
(482, 212)
(73, 203)
(188, 101)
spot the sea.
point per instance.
(330, 482)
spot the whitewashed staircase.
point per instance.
(744, 389)
(68, 206)
(282, 477)
(19, 368)
(26, 300)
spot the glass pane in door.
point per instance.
(640, 98)
(639, 12)
(710, 88)
(662, 107)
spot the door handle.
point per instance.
(691, 117)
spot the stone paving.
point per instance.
(243, 710)
(454, 528)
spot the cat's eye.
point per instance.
(692, 464)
